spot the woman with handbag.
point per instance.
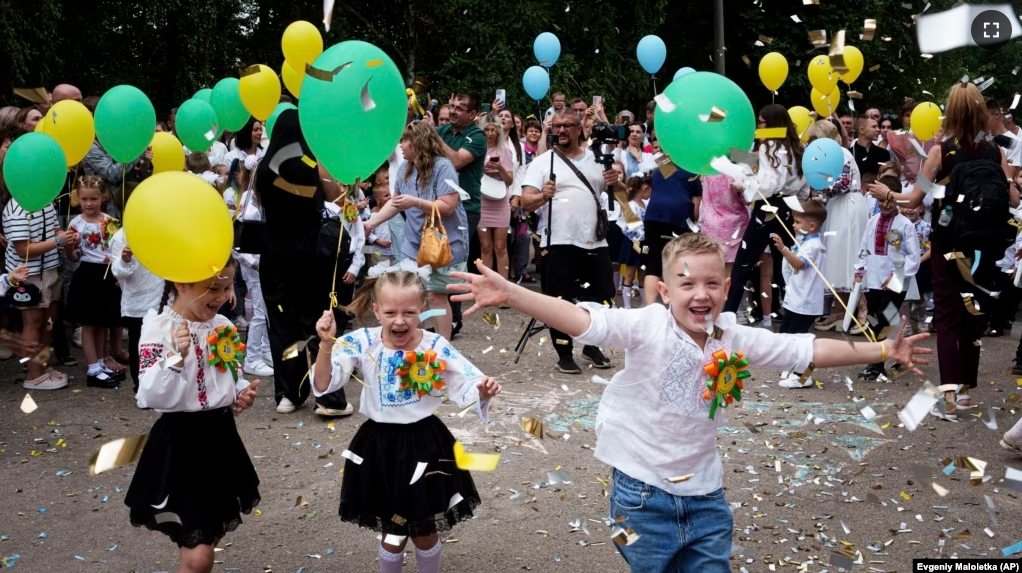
(435, 221)
(495, 218)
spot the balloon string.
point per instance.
(337, 259)
(30, 242)
(865, 329)
(654, 85)
(124, 173)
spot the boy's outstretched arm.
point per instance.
(491, 289)
(831, 353)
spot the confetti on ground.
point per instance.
(28, 405)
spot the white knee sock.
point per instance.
(428, 561)
(626, 296)
(390, 562)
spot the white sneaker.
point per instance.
(258, 368)
(333, 413)
(792, 382)
(286, 406)
(767, 322)
(45, 382)
(76, 338)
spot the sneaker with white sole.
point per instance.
(258, 368)
(333, 412)
(286, 406)
(792, 381)
(45, 382)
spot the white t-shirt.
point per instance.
(573, 206)
(804, 288)
(20, 225)
(1014, 153)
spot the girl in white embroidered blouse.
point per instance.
(194, 477)
(400, 478)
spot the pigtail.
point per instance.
(167, 288)
(361, 306)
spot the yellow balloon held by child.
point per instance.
(179, 227)
(926, 120)
(821, 75)
(71, 124)
(825, 104)
(854, 62)
(773, 70)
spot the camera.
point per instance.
(608, 133)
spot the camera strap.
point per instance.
(581, 177)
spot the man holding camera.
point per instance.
(569, 189)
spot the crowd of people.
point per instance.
(603, 221)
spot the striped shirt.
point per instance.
(37, 227)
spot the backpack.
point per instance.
(979, 201)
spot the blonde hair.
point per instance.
(89, 182)
(691, 244)
(965, 115)
(362, 303)
(824, 129)
(487, 121)
(427, 146)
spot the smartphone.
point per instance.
(494, 159)
(502, 98)
(597, 100)
(487, 107)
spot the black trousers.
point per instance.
(795, 323)
(878, 301)
(296, 296)
(134, 326)
(755, 240)
(576, 274)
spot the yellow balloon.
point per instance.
(71, 124)
(168, 153)
(260, 92)
(301, 43)
(825, 105)
(292, 78)
(179, 227)
(925, 121)
(773, 70)
(802, 120)
(854, 63)
(821, 75)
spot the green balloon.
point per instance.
(273, 117)
(35, 170)
(204, 95)
(354, 122)
(691, 142)
(196, 125)
(226, 101)
(125, 123)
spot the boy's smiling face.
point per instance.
(695, 288)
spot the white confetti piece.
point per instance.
(28, 405)
(919, 406)
(355, 458)
(420, 469)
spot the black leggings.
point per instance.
(755, 240)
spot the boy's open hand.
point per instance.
(904, 349)
(487, 289)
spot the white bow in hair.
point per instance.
(406, 265)
(250, 162)
(209, 177)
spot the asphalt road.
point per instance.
(844, 482)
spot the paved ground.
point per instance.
(843, 481)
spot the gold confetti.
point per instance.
(680, 479)
(818, 38)
(869, 28)
(748, 62)
(492, 318)
(765, 39)
(836, 54)
(905, 496)
(874, 68)
(626, 536)
(533, 426)
(117, 453)
(308, 161)
(258, 512)
(374, 63)
(772, 133)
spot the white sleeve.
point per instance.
(5, 284)
(160, 386)
(358, 240)
(120, 269)
(618, 327)
(792, 352)
(460, 380)
(912, 251)
(769, 180)
(345, 357)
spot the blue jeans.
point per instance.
(676, 533)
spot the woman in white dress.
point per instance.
(847, 215)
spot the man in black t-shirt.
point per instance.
(868, 157)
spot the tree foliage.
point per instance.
(172, 48)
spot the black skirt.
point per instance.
(376, 493)
(615, 238)
(194, 478)
(94, 298)
(628, 256)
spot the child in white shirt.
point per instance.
(653, 424)
(194, 478)
(407, 372)
(382, 246)
(888, 258)
(803, 295)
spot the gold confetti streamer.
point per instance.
(117, 453)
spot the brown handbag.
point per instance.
(434, 247)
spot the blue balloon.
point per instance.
(547, 49)
(822, 163)
(683, 72)
(536, 82)
(651, 51)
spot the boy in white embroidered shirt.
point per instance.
(803, 295)
(653, 424)
(888, 257)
